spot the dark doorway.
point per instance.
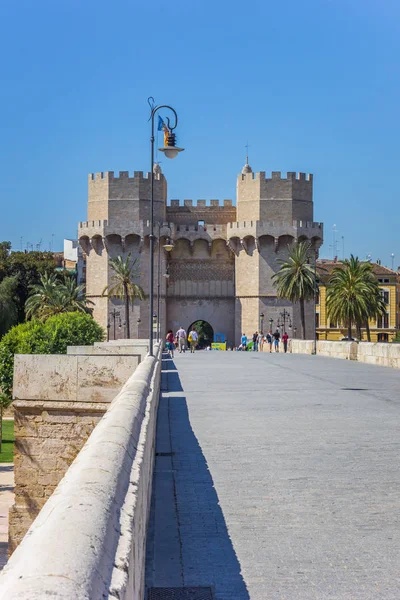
(205, 331)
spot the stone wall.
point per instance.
(387, 355)
(346, 350)
(301, 346)
(384, 354)
(58, 400)
(88, 542)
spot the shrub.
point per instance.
(51, 337)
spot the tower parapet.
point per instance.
(274, 198)
(191, 213)
(121, 198)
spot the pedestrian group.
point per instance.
(178, 341)
(258, 340)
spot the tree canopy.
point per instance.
(295, 279)
(353, 295)
(27, 268)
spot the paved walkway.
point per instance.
(283, 482)
(6, 500)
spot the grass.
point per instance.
(7, 453)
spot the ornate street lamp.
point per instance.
(171, 151)
(261, 321)
(270, 324)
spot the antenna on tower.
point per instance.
(334, 242)
(247, 152)
(392, 257)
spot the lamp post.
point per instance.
(167, 247)
(138, 323)
(115, 313)
(285, 315)
(270, 324)
(315, 301)
(261, 322)
(294, 331)
(108, 330)
(171, 151)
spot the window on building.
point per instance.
(200, 223)
(386, 281)
(383, 337)
(332, 325)
(383, 322)
(385, 296)
(317, 320)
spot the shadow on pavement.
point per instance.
(188, 541)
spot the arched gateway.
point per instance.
(205, 332)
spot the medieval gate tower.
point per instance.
(223, 258)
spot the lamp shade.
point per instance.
(171, 151)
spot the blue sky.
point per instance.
(313, 85)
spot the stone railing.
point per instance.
(88, 541)
(387, 355)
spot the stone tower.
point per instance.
(272, 213)
(118, 224)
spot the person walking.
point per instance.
(243, 341)
(261, 341)
(193, 338)
(277, 337)
(181, 337)
(255, 341)
(285, 339)
(170, 343)
(269, 340)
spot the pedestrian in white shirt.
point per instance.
(181, 337)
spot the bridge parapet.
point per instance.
(88, 541)
(375, 353)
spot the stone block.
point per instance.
(71, 378)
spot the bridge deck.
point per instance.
(283, 481)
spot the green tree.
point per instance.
(123, 284)
(8, 304)
(27, 267)
(353, 295)
(295, 279)
(52, 296)
(50, 337)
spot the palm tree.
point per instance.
(44, 299)
(353, 295)
(295, 280)
(52, 296)
(122, 284)
(74, 297)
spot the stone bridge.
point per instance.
(275, 477)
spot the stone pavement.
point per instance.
(277, 478)
(6, 500)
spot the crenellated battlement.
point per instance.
(277, 176)
(90, 224)
(265, 224)
(122, 176)
(175, 204)
(221, 229)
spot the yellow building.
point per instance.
(382, 329)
